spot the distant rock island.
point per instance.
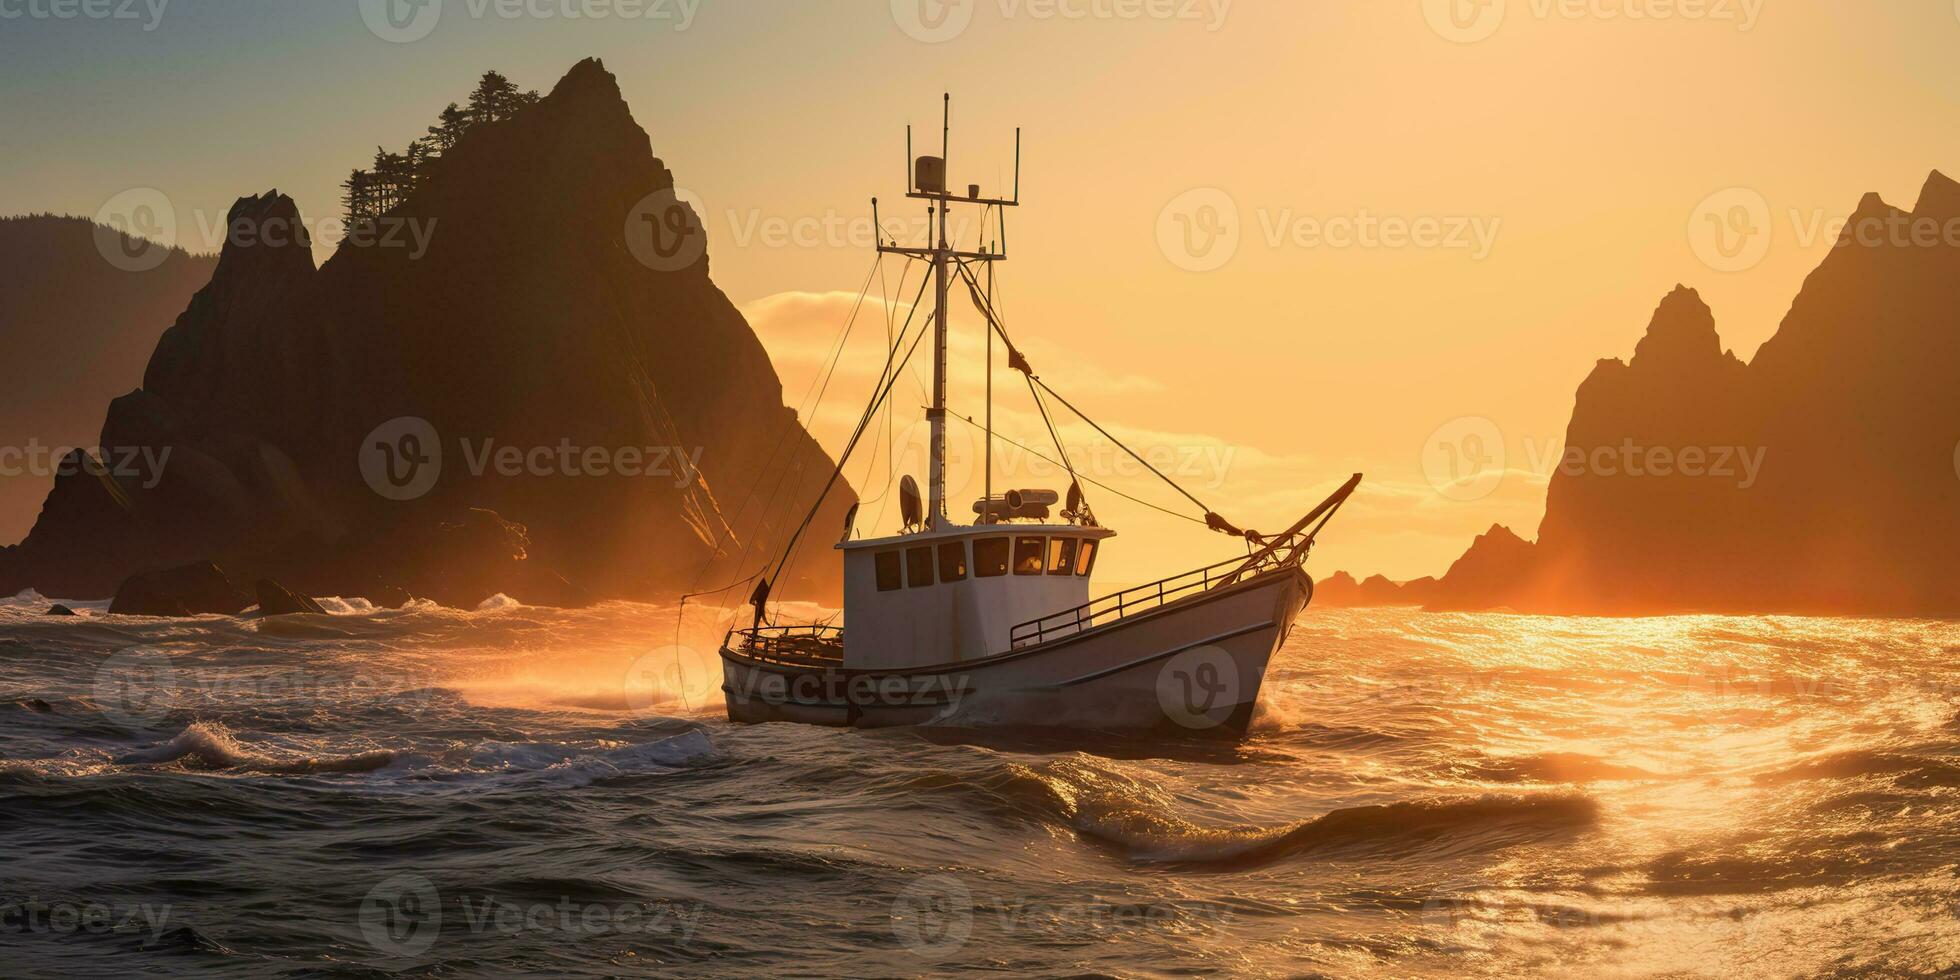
(1822, 477)
(78, 331)
(522, 321)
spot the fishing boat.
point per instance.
(995, 621)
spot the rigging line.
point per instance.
(817, 504)
(1105, 433)
(1212, 519)
(789, 426)
(1056, 437)
(888, 369)
(1036, 454)
(728, 526)
(789, 553)
(887, 378)
(984, 303)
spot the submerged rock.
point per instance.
(277, 600)
(196, 589)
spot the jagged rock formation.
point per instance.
(1821, 477)
(502, 306)
(75, 330)
(1341, 591)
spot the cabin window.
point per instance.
(1085, 558)
(989, 557)
(887, 565)
(918, 567)
(952, 561)
(1061, 556)
(1028, 553)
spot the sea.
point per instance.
(518, 791)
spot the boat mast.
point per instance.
(926, 179)
(936, 415)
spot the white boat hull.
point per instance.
(1195, 664)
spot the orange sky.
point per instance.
(1559, 153)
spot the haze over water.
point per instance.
(1427, 795)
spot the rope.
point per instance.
(715, 551)
(887, 378)
(1135, 500)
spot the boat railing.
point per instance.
(805, 646)
(1143, 598)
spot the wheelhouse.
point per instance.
(955, 593)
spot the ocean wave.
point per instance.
(1908, 770)
(1557, 767)
(1141, 819)
(210, 746)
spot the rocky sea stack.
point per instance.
(338, 428)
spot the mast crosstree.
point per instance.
(926, 181)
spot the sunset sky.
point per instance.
(1181, 267)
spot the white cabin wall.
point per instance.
(946, 621)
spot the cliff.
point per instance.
(1821, 477)
(489, 375)
(75, 330)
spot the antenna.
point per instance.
(927, 179)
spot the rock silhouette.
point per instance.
(78, 331)
(499, 308)
(277, 600)
(1822, 477)
(196, 589)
